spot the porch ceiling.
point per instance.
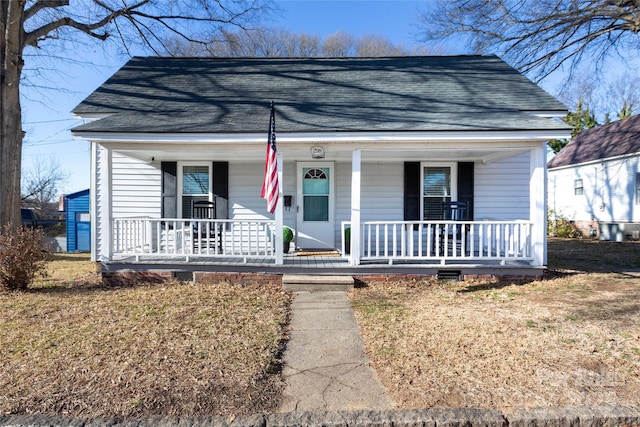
(484, 154)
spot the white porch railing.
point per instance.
(445, 240)
(193, 237)
(442, 241)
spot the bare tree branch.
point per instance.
(42, 184)
(47, 24)
(32, 38)
(540, 36)
(43, 4)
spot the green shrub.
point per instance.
(560, 226)
(22, 257)
(287, 234)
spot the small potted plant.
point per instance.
(287, 237)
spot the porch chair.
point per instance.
(205, 209)
(454, 211)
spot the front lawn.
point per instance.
(73, 347)
(570, 339)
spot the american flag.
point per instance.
(270, 184)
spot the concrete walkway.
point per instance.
(325, 367)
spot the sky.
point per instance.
(50, 96)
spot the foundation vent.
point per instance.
(452, 275)
(183, 276)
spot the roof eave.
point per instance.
(334, 137)
(595, 161)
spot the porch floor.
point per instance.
(319, 264)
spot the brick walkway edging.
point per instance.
(583, 416)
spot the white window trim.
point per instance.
(332, 185)
(454, 181)
(181, 165)
(577, 181)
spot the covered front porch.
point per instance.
(375, 237)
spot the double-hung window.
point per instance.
(578, 187)
(439, 184)
(195, 185)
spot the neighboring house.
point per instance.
(595, 180)
(371, 144)
(78, 221)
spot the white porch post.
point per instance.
(104, 190)
(93, 201)
(279, 216)
(356, 160)
(538, 205)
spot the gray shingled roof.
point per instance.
(610, 140)
(228, 95)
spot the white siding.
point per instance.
(502, 189)
(137, 187)
(382, 192)
(132, 189)
(245, 183)
(608, 191)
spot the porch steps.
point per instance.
(316, 283)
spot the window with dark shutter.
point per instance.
(429, 186)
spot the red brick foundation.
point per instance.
(128, 278)
(236, 278)
(364, 278)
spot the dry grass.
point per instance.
(71, 346)
(571, 339)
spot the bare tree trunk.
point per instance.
(143, 21)
(11, 133)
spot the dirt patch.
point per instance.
(572, 339)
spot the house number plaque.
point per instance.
(317, 152)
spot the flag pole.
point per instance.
(279, 216)
(272, 186)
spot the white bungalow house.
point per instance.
(595, 180)
(375, 145)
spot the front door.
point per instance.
(315, 210)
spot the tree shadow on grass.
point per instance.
(593, 256)
(504, 282)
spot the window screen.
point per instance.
(436, 187)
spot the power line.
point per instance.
(48, 121)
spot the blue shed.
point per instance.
(78, 221)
